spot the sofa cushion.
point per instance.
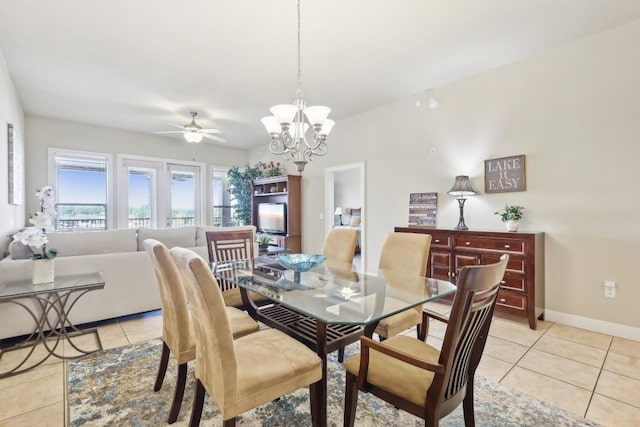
(201, 238)
(184, 237)
(93, 242)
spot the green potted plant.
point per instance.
(263, 241)
(511, 216)
(240, 189)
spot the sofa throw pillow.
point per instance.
(19, 251)
(355, 221)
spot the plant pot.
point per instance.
(263, 245)
(43, 271)
(512, 225)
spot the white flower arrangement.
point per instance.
(36, 236)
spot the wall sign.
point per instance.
(423, 208)
(504, 175)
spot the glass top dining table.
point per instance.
(327, 307)
(333, 293)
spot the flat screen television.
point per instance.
(272, 218)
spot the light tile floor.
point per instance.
(592, 375)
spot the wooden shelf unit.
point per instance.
(280, 189)
(522, 290)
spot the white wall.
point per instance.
(574, 111)
(45, 132)
(12, 217)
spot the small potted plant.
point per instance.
(511, 216)
(263, 241)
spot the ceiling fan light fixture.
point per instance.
(193, 136)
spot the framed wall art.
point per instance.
(15, 162)
(504, 175)
(422, 209)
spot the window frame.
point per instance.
(54, 152)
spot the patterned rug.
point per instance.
(115, 388)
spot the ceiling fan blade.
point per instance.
(178, 126)
(170, 131)
(215, 138)
(211, 131)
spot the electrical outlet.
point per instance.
(609, 289)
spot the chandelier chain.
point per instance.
(299, 91)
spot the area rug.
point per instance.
(115, 388)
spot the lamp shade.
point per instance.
(271, 124)
(284, 113)
(338, 211)
(317, 114)
(462, 187)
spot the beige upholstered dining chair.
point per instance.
(229, 245)
(177, 330)
(340, 245)
(404, 253)
(240, 374)
(417, 378)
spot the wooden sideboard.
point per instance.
(522, 289)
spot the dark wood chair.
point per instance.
(229, 245)
(419, 379)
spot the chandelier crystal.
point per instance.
(288, 127)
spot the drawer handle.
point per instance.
(437, 241)
(507, 246)
(503, 282)
(503, 300)
(467, 243)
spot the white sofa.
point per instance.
(118, 255)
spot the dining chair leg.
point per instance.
(350, 400)
(314, 396)
(162, 369)
(230, 422)
(341, 354)
(178, 394)
(467, 405)
(422, 330)
(198, 404)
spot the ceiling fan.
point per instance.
(193, 132)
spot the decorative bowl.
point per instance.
(300, 262)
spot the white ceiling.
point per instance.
(140, 64)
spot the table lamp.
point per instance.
(461, 188)
(338, 212)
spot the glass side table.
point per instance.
(49, 305)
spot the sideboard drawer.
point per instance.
(516, 283)
(494, 244)
(442, 241)
(510, 300)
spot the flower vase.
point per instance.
(42, 271)
(512, 225)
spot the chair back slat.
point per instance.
(229, 245)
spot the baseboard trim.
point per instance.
(604, 327)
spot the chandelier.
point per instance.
(288, 126)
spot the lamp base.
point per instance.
(461, 225)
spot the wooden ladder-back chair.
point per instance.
(229, 245)
(419, 379)
(405, 253)
(245, 373)
(177, 328)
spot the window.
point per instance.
(222, 202)
(155, 193)
(81, 182)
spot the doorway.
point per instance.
(345, 189)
